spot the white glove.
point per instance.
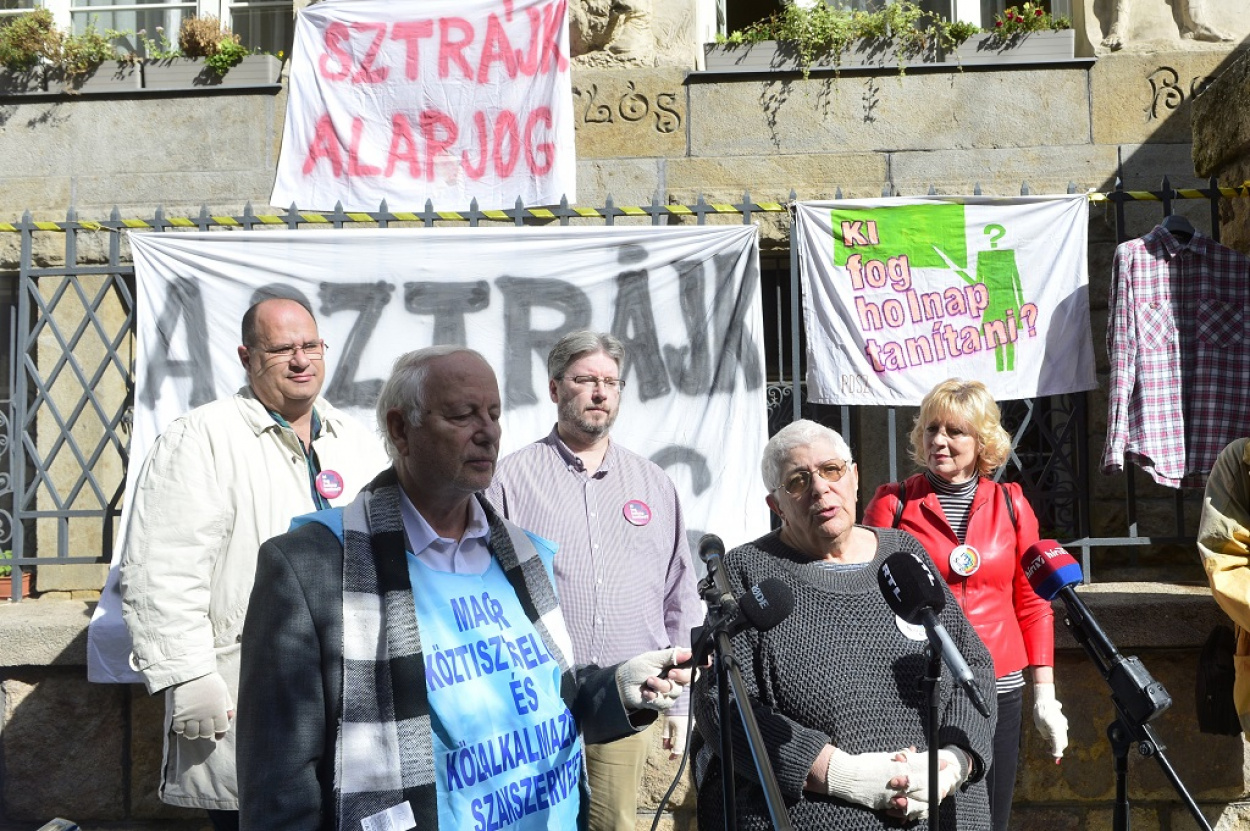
(640, 684)
(1049, 718)
(202, 708)
(953, 770)
(673, 739)
(864, 778)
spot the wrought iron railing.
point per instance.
(64, 414)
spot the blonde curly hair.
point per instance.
(968, 402)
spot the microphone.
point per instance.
(715, 588)
(1052, 572)
(914, 593)
(762, 606)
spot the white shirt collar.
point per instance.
(468, 555)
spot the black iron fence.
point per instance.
(69, 313)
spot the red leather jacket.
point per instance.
(1016, 625)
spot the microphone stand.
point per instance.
(1138, 699)
(728, 677)
(930, 685)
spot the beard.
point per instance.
(596, 425)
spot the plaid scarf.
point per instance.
(385, 750)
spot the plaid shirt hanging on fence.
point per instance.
(1180, 367)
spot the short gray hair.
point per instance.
(404, 390)
(582, 342)
(796, 434)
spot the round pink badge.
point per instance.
(329, 484)
(636, 512)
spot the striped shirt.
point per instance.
(623, 567)
(956, 501)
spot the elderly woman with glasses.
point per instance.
(976, 531)
(835, 686)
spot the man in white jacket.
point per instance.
(217, 483)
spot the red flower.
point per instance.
(1038, 13)
(998, 24)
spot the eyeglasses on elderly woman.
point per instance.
(797, 483)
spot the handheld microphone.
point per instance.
(914, 593)
(1052, 572)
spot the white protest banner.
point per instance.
(901, 293)
(446, 100)
(685, 301)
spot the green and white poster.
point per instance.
(901, 293)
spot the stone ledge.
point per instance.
(1146, 615)
(53, 632)
(44, 633)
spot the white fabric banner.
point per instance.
(685, 301)
(447, 100)
(901, 293)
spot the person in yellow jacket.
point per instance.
(1224, 543)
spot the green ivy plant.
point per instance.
(6, 570)
(80, 54)
(823, 32)
(229, 53)
(32, 39)
(28, 40)
(159, 48)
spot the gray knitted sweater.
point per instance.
(838, 670)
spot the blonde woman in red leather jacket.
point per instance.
(976, 531)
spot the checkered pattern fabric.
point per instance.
(1180, 367)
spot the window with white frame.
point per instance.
(268, 25)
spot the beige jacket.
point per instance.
(1224, 543)
(217, 483)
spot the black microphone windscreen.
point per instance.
(910, 586)
(766, 604)
(711, 546)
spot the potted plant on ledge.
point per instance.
(1027, 34)
(207, 55)
(803, 38)
(6, 577)
(36, 57)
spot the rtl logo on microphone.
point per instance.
(889, 579)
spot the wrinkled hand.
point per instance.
(673, 739)
(1049, 718)
(875, 780)
(202, 708)
(953, 770)
(651, 681)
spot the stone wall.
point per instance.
(1222, 143)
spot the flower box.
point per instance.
(109, 77)
(191, 73)
(6, 586)
(13, 82)
(1027, 47)
(783, 56)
